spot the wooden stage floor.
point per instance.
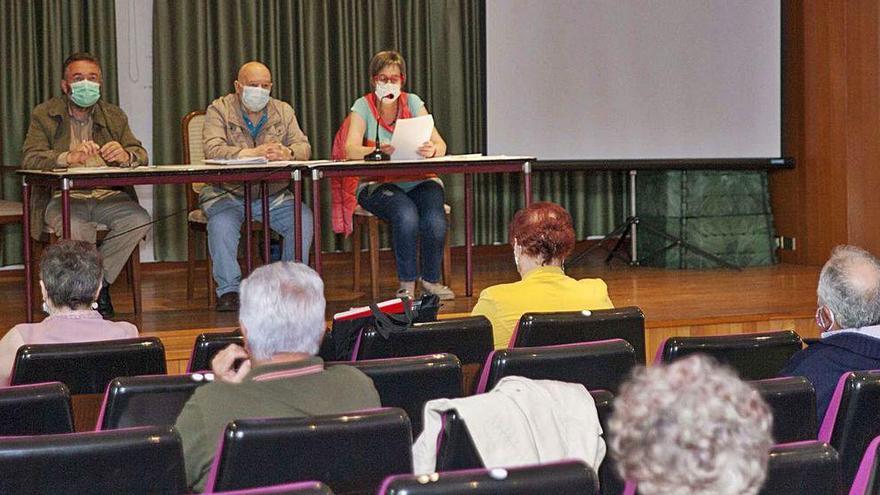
(675, 302)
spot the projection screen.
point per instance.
(633, 79)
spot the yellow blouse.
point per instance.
(544, 289)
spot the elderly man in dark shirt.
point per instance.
(849, 318)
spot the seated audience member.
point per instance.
(282, 320)
(70, 279)
(691, 428)
(250, 123)
(849, 318)
(542, 236)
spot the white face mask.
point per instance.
(387, 90)
(254, 98)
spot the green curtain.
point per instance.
(318, 51)
(35, 38)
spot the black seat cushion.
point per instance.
(755, 356)
(351, 453)
(595, 365)
(853, 419)
(37, 409)
(469, 339)
(208, 345)
(409, 382)
(147, 400)
(567, 327)
(802, 467)
(87, 367)
(793, 401)
(137, 460)
(558, 478)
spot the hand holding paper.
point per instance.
(409, 135)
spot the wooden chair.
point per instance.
(192, 128)
(362, 217)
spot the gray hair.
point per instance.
(282, 309)
(849, 286)
(72, 273)
(691, 427)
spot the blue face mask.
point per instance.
(85, 93)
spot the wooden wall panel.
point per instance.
(831, 126)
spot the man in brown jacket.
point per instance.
(250, 123)
(78, 129)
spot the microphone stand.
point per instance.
(377, 155)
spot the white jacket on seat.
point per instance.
(520, 422)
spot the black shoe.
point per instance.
(105, 305)
(227, 302)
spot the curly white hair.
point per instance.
(691, 428)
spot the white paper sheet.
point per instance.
(250, 160)
(409, 134)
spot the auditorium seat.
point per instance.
(469, 339)
(755, 356)
(595, 365)
(135, 460)
(558, 478)
(299, 488)
(37, 409)
(350, 453)
(208, 345)
(867, 481)
(409, 382)
(852, 420)
(542, 329)
(798, 468)
(793, 401)
(87, 367)
(147, 400)
(802, 467)
(456, 449)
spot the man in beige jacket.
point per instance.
(250, 123)
(81, 129)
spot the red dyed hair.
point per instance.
(543, 230)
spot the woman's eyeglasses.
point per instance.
(381, 78)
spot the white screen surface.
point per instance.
(633, 79)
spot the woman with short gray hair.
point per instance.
(691, 428)
(70, 279)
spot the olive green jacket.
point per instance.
(49, 135)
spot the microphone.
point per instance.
(377, 155)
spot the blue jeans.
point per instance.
(225, 217)
(416, 218)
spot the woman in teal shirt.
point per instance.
(413, 206)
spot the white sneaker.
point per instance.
(438, 289)
(407, 289)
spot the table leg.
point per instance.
(469, 234)
(316, 211)
(65, 208)
(26, 240)
(527, 183)
(297, 215)
(264, 195)
(248, 224)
